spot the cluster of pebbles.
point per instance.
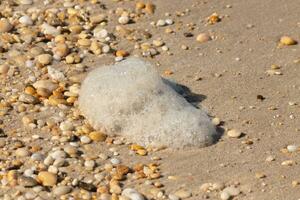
(48, 150)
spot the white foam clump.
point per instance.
(131, 99)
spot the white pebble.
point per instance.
(85, 139)
(169, 21)
(25, 20)
(123, 20)
(89, 164)
(115, 161)
(132, 194)
(292, 148)
(161, 22)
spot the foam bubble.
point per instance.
(131, 99)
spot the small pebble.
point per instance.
(203, 37)
(62, 190)
(234, 133)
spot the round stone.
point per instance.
(232, 191)
(89, 164)
(183, 194)
(72, 151)
(5, 25)
(161, 22)
(123, 20)
(66, 126)
(234, 133)
(22, 152)
(286, 40)
(58, 154)
(85, 139)
(44, 59)
(225, 195)
(25, 20)
(132, 194)
(115, 161)
(4, 69)
(203, 37)
(47, 178)
(62, 190)
(97, 136)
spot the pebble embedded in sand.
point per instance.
(4, 69)
(97, 136)
(5, 25)
(44, 59)
(22, 152)
(216, 121)
(62, 190)
(47, 178)
(292, 148)
(203, 37)
(286, 40)
(123, 20)
(234, 133)
(26, 2)
(183, 194)
(229, 192)
(25, 20)
(132, 194)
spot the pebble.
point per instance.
(100, 33)
(62, 190)
(229, 192)
(66, 126)
(72, 151)
(115, 161)
(85, 139)
(270, 158)
(27, 181)
(161, 22)
(173, 197)
(48, 160)
(47, 178)
(45, 84)
(287, 163)
(26, 2)
(27, 98)
(98, 136)
(49, 30)
(292, 148)
(22, 152)
(59, 162)
(25, 20)
(89, 164)
(234, 133)
(5, 26)
(216, 121)
(286, 40)
(123, 20)
(58, 154)
(44, 59)
(203, 37)
(132, 194)
(4, 69)
(183, 194)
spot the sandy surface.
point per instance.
(232, 68)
